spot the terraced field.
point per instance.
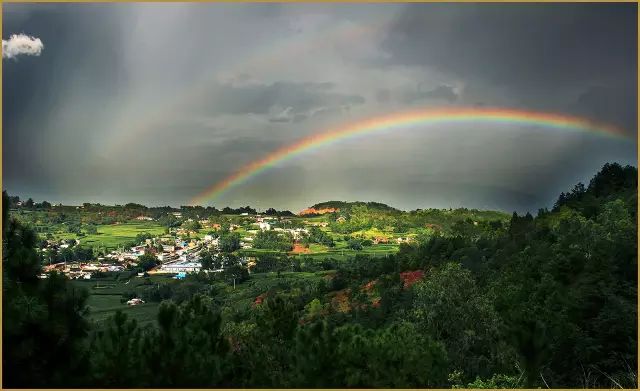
(112, 236)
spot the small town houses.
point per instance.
(179, 250)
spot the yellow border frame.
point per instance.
(326, 1)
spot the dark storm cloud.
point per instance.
(614, 104)
(537, 55)
(518, 43)
(35, 88)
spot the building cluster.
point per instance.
(81, 270)
(179, 251)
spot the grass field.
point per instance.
(103, 306)
(105, 295)
(340, 251)
(112, 236)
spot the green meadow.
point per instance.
(114, 235)
(105, 297)
(102, 307)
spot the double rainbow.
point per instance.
(406, 120)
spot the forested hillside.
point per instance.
(544, 301)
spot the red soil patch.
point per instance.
(300, 249)
(380, 240)
(411, 277)
(340, 301)
(259, 299)
(313, 211)
(368, 287)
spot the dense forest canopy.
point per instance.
(540, 301)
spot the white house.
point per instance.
(178, 267)
(264, 226)
(297, 233)
(168, 248)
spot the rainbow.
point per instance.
(406, 120)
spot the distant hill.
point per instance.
(336, 206)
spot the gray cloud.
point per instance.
(281, 100)
(383, 95)
(285, 115)
(440, 93)
(614, 104)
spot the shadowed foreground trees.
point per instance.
(44, 327)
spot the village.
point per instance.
(178, 251)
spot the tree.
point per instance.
(13, 201)
(398, 356)
(316, 235)
(355, 244)
(229, 242)
(116, 352)
(168, 220)
(67, 255)
(82, 253)
(272, 240)
(43, 319)
(271, 212)
(142, 237)
(206, 260)
(449, 306)
(236, 274)
(147, 261)
(187, 349)
(269, 263)
(192, 225)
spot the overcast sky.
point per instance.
(153, 103)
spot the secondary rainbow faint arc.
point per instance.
(265, 58)
(402, 120)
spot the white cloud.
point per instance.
(19, 44)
